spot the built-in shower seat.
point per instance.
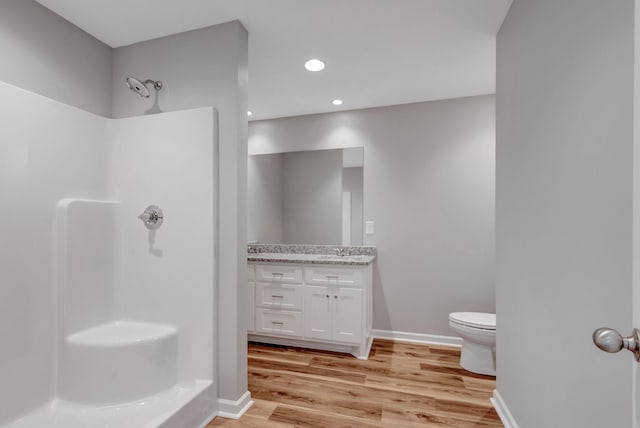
(119, 361)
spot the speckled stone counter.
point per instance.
(310, 254)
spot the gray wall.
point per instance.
(352, 181)
(313, 197)
(564, 210)
(429, 173)
(266, 198)
(46, 54)
(207, 67)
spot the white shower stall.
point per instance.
(105, 323)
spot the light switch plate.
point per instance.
(369, 227)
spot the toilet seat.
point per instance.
(479, 320)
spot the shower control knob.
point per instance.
(152, 217)
(609, 340)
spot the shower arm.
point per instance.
(157, 84)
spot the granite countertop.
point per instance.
(311, 254)
(359, 260)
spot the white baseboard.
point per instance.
(503, 411)
(234, 409)
(427, 339)
(208, 420)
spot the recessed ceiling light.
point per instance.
(336, 102)
(314, 65)
(249, 113)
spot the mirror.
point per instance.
(308, 197)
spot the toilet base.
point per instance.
(477, 358)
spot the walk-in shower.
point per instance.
(106, 322)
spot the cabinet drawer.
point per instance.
(279, 296)
(279, 322)
(279, 273)
(347, 277)
(251, 273)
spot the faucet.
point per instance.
(344, 251)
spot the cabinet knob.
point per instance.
(327, 296)
(335, 297)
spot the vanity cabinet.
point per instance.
(321, 306)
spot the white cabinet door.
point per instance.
(347, 315)
(317, 312)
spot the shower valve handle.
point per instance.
(152, 217)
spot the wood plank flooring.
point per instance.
(401, 385)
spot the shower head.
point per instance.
(141, 88)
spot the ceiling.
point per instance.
(377, 52)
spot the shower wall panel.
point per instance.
(86, 251)
(167, 275)
(48, 151)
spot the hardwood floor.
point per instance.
(401, 385)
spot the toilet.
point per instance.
(478, 332)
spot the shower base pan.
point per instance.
(169, 408)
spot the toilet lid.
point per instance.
(474, 319)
